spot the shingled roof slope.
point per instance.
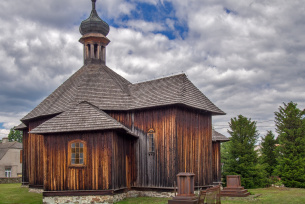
(216, 136)
(21, 126)
(83, 117)
(95, 83)
(176, 89)
(4, 147)
(102, 87)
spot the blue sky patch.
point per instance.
(159, 14)
(1, 126)
(228, 11)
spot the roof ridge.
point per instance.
(112, 74)
(162, 78)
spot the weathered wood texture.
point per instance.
(216, 162)
(183, 143)
(105, 165)
(194, 145)
(25, 159)
(123, 160)
(33, 155)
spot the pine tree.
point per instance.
(243, 159)
(290, 125)
(268, 158)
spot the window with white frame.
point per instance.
(8, 172)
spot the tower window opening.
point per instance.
(95, 51)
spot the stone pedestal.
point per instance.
(185, 189)
(234, 188)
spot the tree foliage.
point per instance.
(290, 126)
(15, 135)
(268, 157)
(242, 158)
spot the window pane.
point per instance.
(77, 153)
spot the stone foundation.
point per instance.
(10, 180)
(105, 199)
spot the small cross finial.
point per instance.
(93, 4)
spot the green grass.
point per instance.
(13, 193)
(261, 195)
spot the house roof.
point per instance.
(105, 89)
(216, 136)
(83, 117)
(4, 147)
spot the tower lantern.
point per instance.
(94, 31)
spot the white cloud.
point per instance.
(247, 56)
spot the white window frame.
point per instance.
(8, 172)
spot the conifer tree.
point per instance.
(290, 125)
(243, 159)
(268, 157)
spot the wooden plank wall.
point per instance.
(194, 145)
(34, 155)
(25, 158)
(183, 143)
(123, 160)
(216, 162)
(95, 175)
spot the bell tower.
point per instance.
(94, 31)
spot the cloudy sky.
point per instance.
(247, 56)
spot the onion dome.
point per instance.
(94, 24)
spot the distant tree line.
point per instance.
(282, 157)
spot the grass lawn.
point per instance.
(13, 193)
(261, 195)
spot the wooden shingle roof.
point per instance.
(216, 136)
(105, 89)
(21, 126)
(176, 89)
(83, 117)
(96, 84)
